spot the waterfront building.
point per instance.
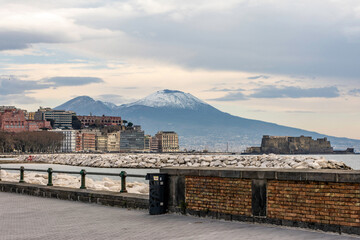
(147, 143)
(168, 141)
(100, 120)
(60, 118)
(68, 143)
(13, 120)
(85, 141)
(132, 140)
(113, 142)
(154, 144)
(88, 142)
(101, 143)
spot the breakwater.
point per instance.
(184, 160)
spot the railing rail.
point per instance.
(82, 173)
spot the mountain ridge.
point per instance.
(198, 124)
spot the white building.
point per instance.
(69, 141)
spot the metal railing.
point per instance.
(82, 173)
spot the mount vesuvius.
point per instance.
(198, 124)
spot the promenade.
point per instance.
(28, 217)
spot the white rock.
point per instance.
(204, 164)
(151, 161)
(233, 162)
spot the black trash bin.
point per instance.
(158, 193)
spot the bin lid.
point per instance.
(154, 176)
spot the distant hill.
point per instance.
(199, 125)
(85, 105)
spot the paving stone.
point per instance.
(24, 217)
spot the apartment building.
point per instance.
(132, 140)
(168, 141)
(113, 142)
(60, 118)
(85, 141)
(69, 141)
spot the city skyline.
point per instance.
(295, 64)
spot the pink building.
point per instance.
(13, 120)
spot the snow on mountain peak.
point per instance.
(110, 105)
(170, 98)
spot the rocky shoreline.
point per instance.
(182, 160)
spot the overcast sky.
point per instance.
(295, 63)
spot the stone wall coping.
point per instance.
(131, 200)
(319, 175)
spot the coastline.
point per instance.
(159, 161)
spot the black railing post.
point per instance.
(83, 173)
(22, 174)
(123, 182)
(50, 176)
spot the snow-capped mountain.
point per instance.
(199, 125)
(110, 105)
(170, 98)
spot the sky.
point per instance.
(295, 63)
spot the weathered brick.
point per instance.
(230, 195)
(333, 203)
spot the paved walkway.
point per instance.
(28, 217)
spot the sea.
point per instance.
(59, 167)
(352, 160)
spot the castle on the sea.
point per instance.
(294, 145)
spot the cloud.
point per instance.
(312, 38)
(72, 81)
(224, 90)
(300, 112)
(114, 98)
(130, 88)
(295, 92)
(307, 38)
(13, 85)
(259, 76)
(354, 92)
(17, 99)
(235, 96)
(22, 25)
(282, 92)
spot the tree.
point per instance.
(42, 141)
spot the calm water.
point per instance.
(89, 169)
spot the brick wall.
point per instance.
(224, 195)
(328, 200)
(317, 202)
